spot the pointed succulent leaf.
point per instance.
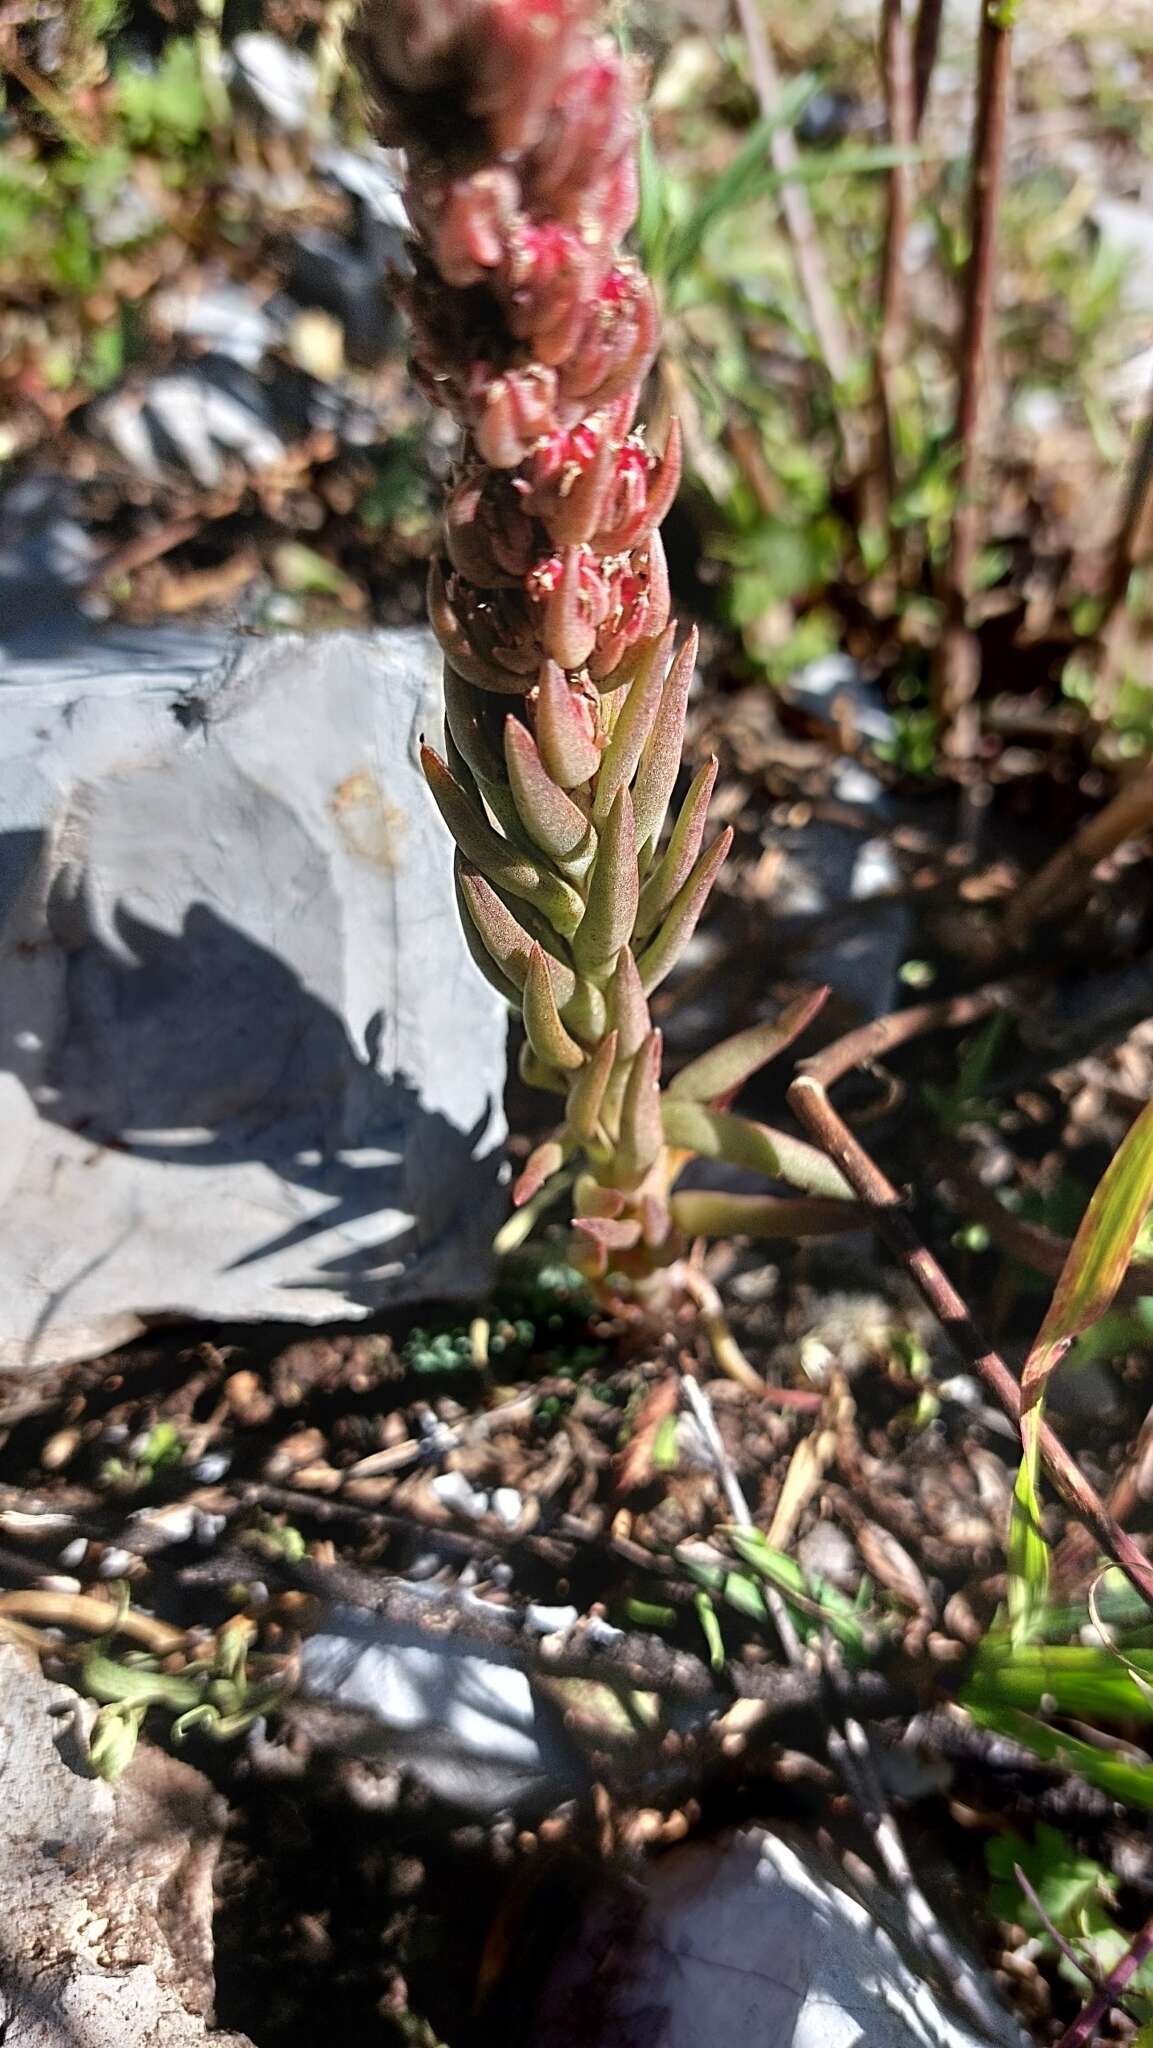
(482, 958)
(613, 1234)
(656, 1220)
(591, 1199)
(641, 1131)
(628, 1012)
(676, 864)
(566, 746)
(549, 817)
(588, 1091)
(538, 1168)
(719, 1073)
(660, 762)
(464, 719)
(568, 629)
(504, 865)
(458, 649)
(504, 937)
(538, 1074)
(718, 1134)
(707, 1212)
(543, 1028)
(585, 1011)
(659, 958)
(634, 723)
(612, 893)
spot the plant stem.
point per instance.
(897, 83)
(1066, 878)
(926, 40)
(809, 1099)
(1084, 2027)
(958, 662)
(828, 327)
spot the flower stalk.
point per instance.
(565, 692)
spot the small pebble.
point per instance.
(548, 1621)
(116, 1564)
(74, 1553)
(211, 1469)
(506, 1504)
(453, 1491)
(60, 1449)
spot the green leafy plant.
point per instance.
(1065, 1895)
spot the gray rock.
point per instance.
(756, 1939)
(107, 1936)
(247, 1068)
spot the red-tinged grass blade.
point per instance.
(612, 893)
(543, 1028)
(676, 864)
(504, 937)
(539, 1167)
(641, 1131)
(719, 1073)
(588, 1090)
(499, 862)
(703, 1212)
(566, 747)
(718, 1134)
(550, 818)
(680, 922)
(1099, 1255)
(661, 760)
(633, 726)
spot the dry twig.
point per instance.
(958, 657)
(809, 1099)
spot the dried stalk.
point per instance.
(809, 1099)
(958, 661)
(1067, 878)
(828, 327)
(926, 41)
(897, 78)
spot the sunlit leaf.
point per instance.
(1099, 1255)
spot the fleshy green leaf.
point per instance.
(718, 1134)
(718, 1074)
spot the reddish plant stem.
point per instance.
(810, 1101)
(958, 661)
(926, 40)
(1084, 2027)
(1128, 547)
(898, 86)
(828, 327)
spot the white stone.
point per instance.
(247, 1068)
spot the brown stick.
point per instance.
(900, 108)
(926, 40)
(1066, 878)
(828, 327)
(958, 660)
(809, 1100)
(1131, 537)
(1031, 1243)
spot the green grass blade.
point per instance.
(1099, 1255)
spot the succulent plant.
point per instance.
(565, 692)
